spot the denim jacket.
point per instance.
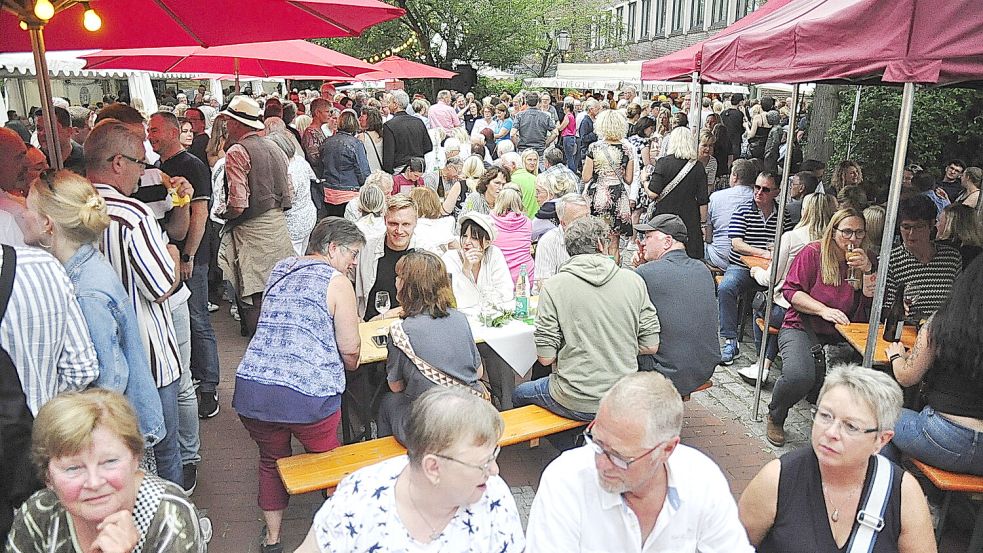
(344, 164)
(123, 362)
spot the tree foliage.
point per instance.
(946, 123)
(495, 33)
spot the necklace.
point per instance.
(434, 533)
(835, 515)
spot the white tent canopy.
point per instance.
(613, 76)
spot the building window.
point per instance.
(745, 7)
(660, 18)
(677, 16)
(696, 15)
(718, 12)
(643, 33)
(619, 25)
(632, 20)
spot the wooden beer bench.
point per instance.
(954, 482)
(324, 471)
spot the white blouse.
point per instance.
(494, 280)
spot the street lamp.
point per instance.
(563, 43)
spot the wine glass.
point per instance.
(382, 302)
(852, 277)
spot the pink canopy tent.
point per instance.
(862, 41)
(258, 59)
(395, 67)
(680, 65)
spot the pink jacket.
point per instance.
(514, 239)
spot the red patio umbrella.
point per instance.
(260, 59)
(395, 67)
(155, 23)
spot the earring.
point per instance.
(50, 244)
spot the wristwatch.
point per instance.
(185, 258)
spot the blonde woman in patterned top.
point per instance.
(87, 449)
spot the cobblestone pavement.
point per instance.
(716, 421)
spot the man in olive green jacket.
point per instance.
(593, 319)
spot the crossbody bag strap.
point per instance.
(870, 518)
(431, 373)
(675, 181)
(7, 277)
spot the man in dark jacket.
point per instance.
(404, 136)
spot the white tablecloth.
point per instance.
(513, 342)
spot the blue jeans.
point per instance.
(204, 347)
(166, 452)
(570, 152)
(936, 440)
(736, 281)
(537, 392)
(777, 317)
(188, 439)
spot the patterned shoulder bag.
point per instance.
(433, 374)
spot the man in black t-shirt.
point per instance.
(376, 270)
(163, 132)
(200, 141)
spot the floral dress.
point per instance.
(608, 191)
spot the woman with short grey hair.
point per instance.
(292, 376)
(301, 217)
(815, 494)
(443, 495)
(687, 196)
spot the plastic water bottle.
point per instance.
(522, 294)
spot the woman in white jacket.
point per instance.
(478, 269)
(480, 274)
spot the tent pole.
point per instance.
(235, 62)
(44, 88)
(696, 107)
(890, 218)
(853, 123)
(779, 230)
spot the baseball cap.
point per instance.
(665, 223)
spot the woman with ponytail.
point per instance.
(66, 216)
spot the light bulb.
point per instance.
(23, 25)
(91, 20)
(44, 9)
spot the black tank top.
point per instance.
(802, 522)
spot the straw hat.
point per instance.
(246, 111)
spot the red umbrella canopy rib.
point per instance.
(155, 23)
(296, 58)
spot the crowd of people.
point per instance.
(320, 210)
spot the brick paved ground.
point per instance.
(717, 421)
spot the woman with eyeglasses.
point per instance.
(66, 216)
(823, 289)
(292, 376)
(443, 495)
(811, 498)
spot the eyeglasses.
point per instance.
(764, 189)
(917, 226)
(850, 233)
(825, 419)
(616, 459)
(140, 162)
(48, 177)
(484, 467)
(352, 251)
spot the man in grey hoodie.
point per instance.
(593, 320)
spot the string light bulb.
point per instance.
(44, 9)
(23, 25)
(90, 19)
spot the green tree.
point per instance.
(946, 123)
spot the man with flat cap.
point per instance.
(681, 289)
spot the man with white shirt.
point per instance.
(13, 186)
(633, 487)
(551, 251)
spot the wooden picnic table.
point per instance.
(856, 335)
(755, 261)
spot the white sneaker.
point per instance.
(749, 374)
